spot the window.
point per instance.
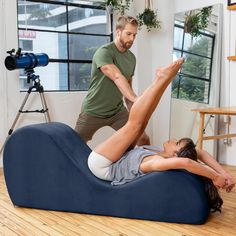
(26, 44)
(69, 32)
(194, 79)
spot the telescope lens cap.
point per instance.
(10, 63)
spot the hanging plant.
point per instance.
(196, 21)
(117, 5)
(149, 17)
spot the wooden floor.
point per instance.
(22, 221)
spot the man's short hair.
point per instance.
(122, 21)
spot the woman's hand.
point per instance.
(230, 182)
(208, 159)
(219, 181)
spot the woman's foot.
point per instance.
(169, 72)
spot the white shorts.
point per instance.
(99, 165)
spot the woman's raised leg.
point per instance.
(116, 145)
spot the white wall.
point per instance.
(185, 122)
(154, 49)
(226, 154)
(3, 92)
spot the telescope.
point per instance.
(28, 61)
(25, 61)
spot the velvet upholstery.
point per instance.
(45, 167)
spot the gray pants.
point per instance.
(87, 125)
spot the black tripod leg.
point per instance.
(45, 108)
(16, 119)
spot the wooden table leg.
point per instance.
(200, 131)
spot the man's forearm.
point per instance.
(124, 87)
(113, 73)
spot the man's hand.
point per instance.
(143, 140)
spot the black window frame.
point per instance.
(68, 61)
(231, 3)
(182, 52)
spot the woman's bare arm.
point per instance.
(194, 167)
(209, 160)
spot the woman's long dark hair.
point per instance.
(189, 151)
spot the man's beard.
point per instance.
(126, 45)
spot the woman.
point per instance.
(189, 151)
(112, 162)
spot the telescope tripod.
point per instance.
(38, 88)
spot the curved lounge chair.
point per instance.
(45, 167)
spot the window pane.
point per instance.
(24, 85)
(41, 16)
(52, 77)
(80, 76)
(175, 87)
(26, 45)
(201, 45)
(196, 66)
(57, 0)
(192, 89)
(66, 30)
(176, 55)
(193, 81)
(83, 47)
(55, 44)
(87, 2)
(178, 37)
(87, 20)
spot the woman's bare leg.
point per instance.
(159, 74)
(115, 146)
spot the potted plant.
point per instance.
(197, 20)
(118, 5)
(148, 17)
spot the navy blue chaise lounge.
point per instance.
(45, 167)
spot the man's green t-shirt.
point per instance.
(104, 98)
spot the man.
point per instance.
(112, 70)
